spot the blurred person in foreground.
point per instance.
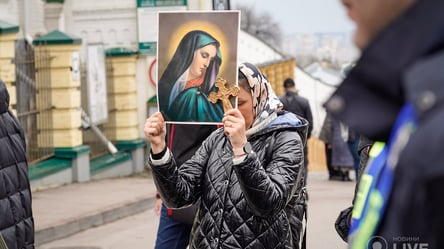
(246, 195)
(16, 221)
(395, 96)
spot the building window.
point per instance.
(221, 4)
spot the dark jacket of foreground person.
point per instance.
(16, 222)
(404, 64)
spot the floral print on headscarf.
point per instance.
(265, 101)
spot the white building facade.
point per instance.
(114, 23)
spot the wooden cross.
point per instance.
(224, 93)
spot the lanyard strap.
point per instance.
(376, 183)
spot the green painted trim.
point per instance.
(8, 28)
(158, 3)
(153, 100)
(47, 168)
(130, 144)
(57, 37)
(148, 47)
(55, 1)
(120, 51)
(107, 161)
(71, 152)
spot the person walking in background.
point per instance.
(394, 95)
(352, 136)
(352, 141)
(175, 225)
(246, 173)
(339, 159)
(300, 106)
(16, 221)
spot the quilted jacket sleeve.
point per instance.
(180, 187)
(268, 188)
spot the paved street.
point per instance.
(327, 198)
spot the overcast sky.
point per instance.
(303, 16)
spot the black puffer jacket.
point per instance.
(16, 222)
(397, 68)
(245, 205)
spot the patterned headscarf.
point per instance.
(265, 101)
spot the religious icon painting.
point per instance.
(197, 65)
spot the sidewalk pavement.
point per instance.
(68, 209)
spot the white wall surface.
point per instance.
(27, 14)
(36, 15)
(252, 50)
(9, 11)
(113, 23)
(317, 93)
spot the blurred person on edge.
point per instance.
(245, 196)
(395, 96)
(16, 221)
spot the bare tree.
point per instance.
(262, 25)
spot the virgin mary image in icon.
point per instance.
(189, 78)
(188, 81)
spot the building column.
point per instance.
(58, 84)
(8, 36)
(122, 95)
(123, 124)
(53, 14)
